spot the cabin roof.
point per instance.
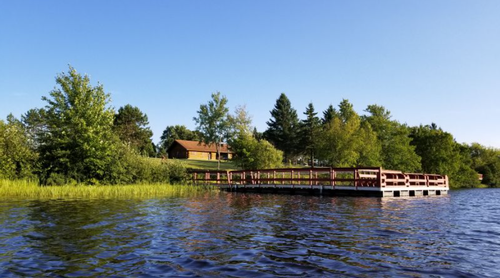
(201, 147)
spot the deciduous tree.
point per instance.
(346, 142)
(212, 122)
(17, 158)
(79, 123)
(397, 152)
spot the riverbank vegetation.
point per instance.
(79, 139)
(24, 189)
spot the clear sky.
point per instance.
(424, 60)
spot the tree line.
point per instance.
(78, 138)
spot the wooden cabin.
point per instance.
(196, 150)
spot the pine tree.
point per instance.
(328, 114)
(283, 127)
(131, 126)
(309, 132)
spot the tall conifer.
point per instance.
(309, 132)
(283, 127)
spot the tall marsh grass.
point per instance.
(23, 189)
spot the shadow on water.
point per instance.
(248, 235)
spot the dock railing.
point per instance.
(335, 177)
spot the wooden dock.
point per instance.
(365, 181)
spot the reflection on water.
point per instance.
(237, 235)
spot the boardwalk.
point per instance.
(366, 181)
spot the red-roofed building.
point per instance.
(196, 150)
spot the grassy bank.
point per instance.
(208, 164)
(31, 190)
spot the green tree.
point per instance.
(328, 114)
(131, 126)
(486, 161)
(257, 135)
(212, 122)
(442, 155)
(34, 125)
(283, 128)
(17, 158)
(346, 142)
(176, 132)
(309, 132)
(251, 153)
(240, 121)
(397, 153)
(76, 144)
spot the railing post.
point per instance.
(291, 178)
(356, 178)
(310, 177)
(195, 176)
(379, 177)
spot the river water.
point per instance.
(251, 235)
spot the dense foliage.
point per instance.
(17, 158)
(78, 138)
(250, 150)
(78, 122)
(346, 141)
(176, 132)
(131, 126)
(251, 153)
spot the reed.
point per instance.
(24, 189)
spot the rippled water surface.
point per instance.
(252, 235)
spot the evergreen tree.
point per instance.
(35, 125)
(257, 135)
(283, 127)
(131, 126)
(176, 132)
(328, 114)
(309, 132)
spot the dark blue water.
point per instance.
(251, 235)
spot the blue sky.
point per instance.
(425, 61)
